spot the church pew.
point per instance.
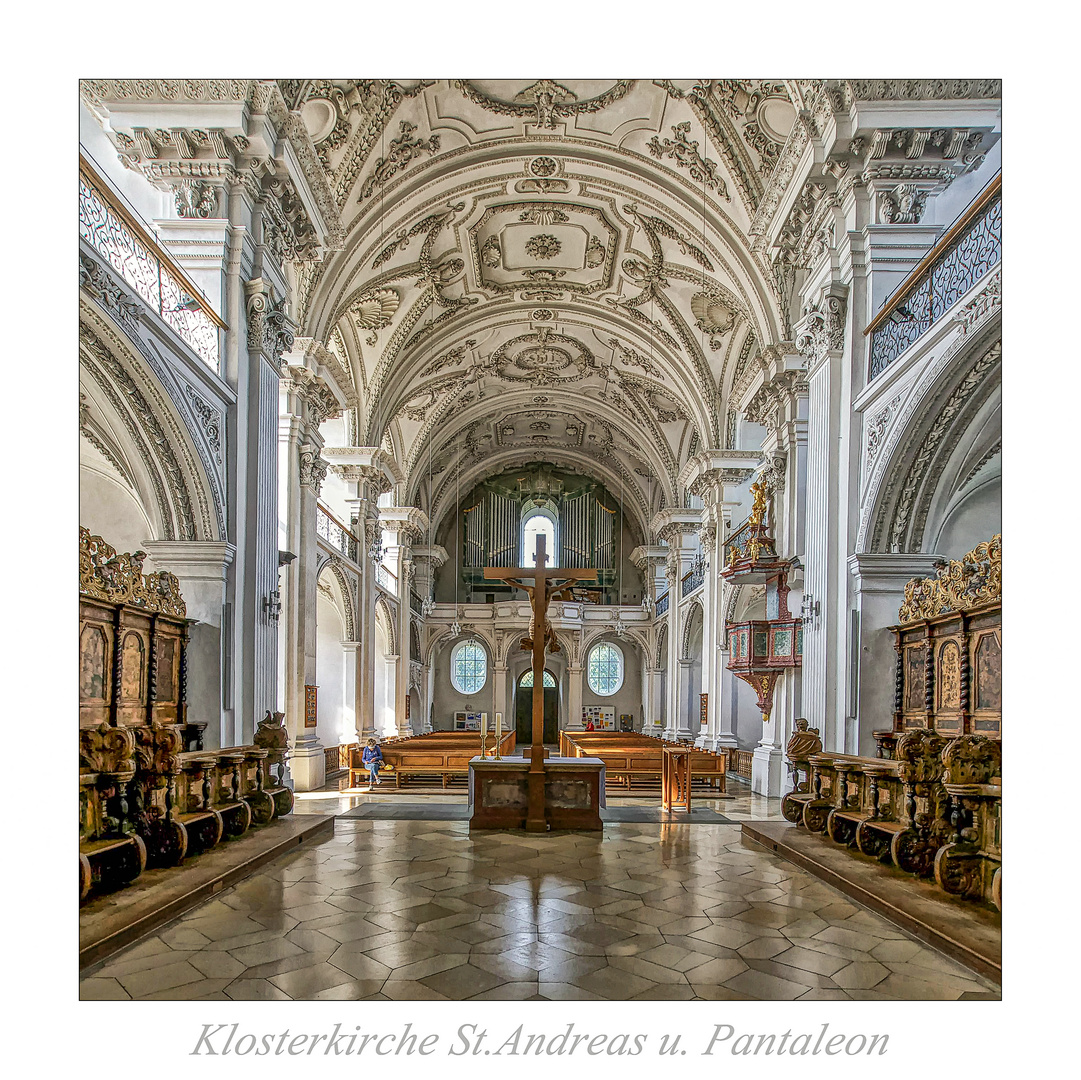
(438, 753)
(629, 757)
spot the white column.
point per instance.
(575, 677)
(349, 687)
(201, 566)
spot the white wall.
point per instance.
(335, 724)
(109, 509)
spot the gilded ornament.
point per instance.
(960, 584)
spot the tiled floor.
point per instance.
(421, 910)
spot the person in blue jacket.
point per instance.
(372, 756)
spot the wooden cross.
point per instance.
(548, 584)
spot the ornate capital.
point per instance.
(903, 204)
(313, 469)
(822, 330)
(270, 330)
(318, 397)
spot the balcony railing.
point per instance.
(338, 536)
(387, 579)
(416, 605)
(662, 605)
(134, 254)
(958, 261)
(692, 579)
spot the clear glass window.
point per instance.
(527, 679)
(468, 667)
(604, 669)
(535, 525)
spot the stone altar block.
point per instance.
(499, 792)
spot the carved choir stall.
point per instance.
(142, 802)
(761, 650)
(931, 802)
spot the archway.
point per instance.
(523, 708)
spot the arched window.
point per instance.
(604, 668)
(468, 667)
(547, 681)
(539, 522)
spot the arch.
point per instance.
(345, 594)
(151, 434)
(548, 680)
(689, 625)
(383, 608)
(948, 417)
(662, 646)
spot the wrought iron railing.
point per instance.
(958, 261)
(416, 605)
(337, 535)
(387, 579)
(662, 605)
(135, 255)
(692, 579)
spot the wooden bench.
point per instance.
(438, 753)
(630, 757)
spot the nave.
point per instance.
(423, 910)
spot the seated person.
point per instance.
(590, 726)
(372, 756)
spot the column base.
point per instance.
(307, 763)
(766, 771)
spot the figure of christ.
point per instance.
(547, 585)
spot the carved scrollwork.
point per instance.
(960, 584)
(106, 575)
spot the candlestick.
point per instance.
(498, 734)
(483, 734)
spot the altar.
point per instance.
(499, 792)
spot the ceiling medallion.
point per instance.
(576, 241)
(542, 315)
(543, 167)
(543, 246)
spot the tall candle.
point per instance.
(483, 730)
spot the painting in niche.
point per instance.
(166, 687)
(131, 680)
(989, 673)
(92, 664)
(949, 676)
(914, 679)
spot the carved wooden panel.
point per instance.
(93, 664)
(132, 669)
(987, 682)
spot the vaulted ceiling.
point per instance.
(542, 270)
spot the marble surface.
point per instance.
(422, 910)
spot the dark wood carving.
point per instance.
(950, 648)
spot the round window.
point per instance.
(605, 669)
(468, 667)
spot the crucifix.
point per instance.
(548, 584)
